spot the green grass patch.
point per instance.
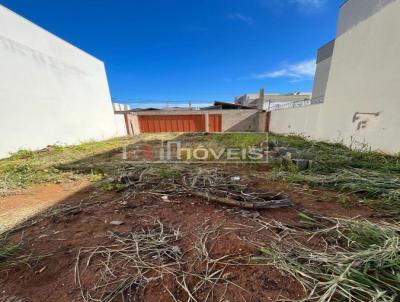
(374, 176)
(8, 251)
(26, 167)
(331, 157)
(237, 140)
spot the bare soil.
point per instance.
(18, 207)
(53, 279)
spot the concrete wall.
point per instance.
(120, 124)
(362, 98)
(302, 121)
(121, 107)
(246, 99)
(321, 78)
(324, 61)
(236, 120)
(239, 120)
(50, 91)
(353, 12)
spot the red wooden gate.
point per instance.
(215, 122)
(171, 123)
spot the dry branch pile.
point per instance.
(210, 184)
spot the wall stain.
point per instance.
(362, 118)
(39, 57)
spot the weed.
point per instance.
(26, 167)
(304, 218)
(344, 200)
(96, 176)
(22, 154)
(331, 157)
(108, 187)
(371, 175)
(238, 140)
(168, 173)
(328, 195)
(289, 166)
(8, 251)
(361, 263)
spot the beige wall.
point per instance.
(300, 121)
(364, 78)
(362, 100)
(353, 12)
(240, 120)
(321, 78)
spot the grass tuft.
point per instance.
(237, 140)
(26, 167)
(374, 176)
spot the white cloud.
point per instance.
(305, 6)
(310, 3)
(240, 17)
(295, 72)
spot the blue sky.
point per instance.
(198, 50)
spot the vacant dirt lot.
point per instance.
(237, 233)
(140, 232)
(19, 207)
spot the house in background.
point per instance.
(221, 117)
(50, 91)
(270, 101)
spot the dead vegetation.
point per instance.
(211, 184)
(333, 259)
(132, 261)
(357, 260)
(373, 176)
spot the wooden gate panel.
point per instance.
(172, 123)
(215, 122)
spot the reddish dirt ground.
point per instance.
(16, 208)
(52, 278)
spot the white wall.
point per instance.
(120, 125)
(362, 100)
(50, 91)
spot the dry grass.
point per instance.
(131, 262)
(357, 260)
(373, 176)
